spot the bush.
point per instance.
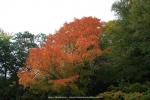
(146, 96)
(119, 95)
(137, 87)
(128, 88)
(133, 96)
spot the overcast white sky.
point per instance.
(47, 16)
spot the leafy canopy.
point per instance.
(54, 62)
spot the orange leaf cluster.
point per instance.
(65, 81)
(74, 43)
(25, 77)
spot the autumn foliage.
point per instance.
(74, 43)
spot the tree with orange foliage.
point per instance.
(54, 62)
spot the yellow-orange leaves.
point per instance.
(26, 77)
(71, 45)
(64, 81)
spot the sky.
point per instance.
(47, 16)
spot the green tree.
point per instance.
(5, 54)
(40, 39)
(7, 67)
(21, 43)
(13, 53)
(130, 37)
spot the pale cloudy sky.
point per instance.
(47, 16)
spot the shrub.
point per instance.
(119, 95)
(133, 96)
(137, 87)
